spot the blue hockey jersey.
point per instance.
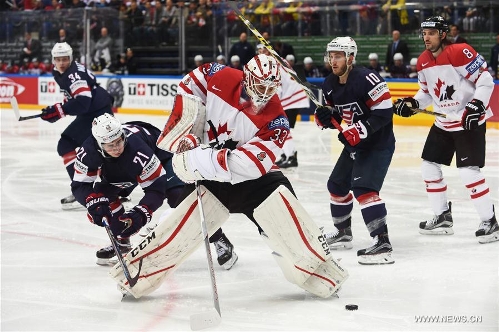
(81, 90)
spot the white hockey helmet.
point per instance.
(342, 44)
(105, 129)
(373, 56)
(261, 79)
(62, 49)
(398, 56)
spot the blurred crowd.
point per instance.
(138, 23)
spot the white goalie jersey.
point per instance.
(254, 140)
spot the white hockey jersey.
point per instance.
(291, 93)
(458, 75)
(254, 140)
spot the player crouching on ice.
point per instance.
(234, 141)
(114, 160)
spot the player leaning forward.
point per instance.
(455, 79)
(84, 98)
(360, 97)
(241, 135)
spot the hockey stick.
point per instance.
(15, 107)
(442, 115)
(117, 251)
(281, 61)
(209, 318)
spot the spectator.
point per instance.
(235, 62)
(103, 51)
(374, 63)
(32, 48)
(396, 46)
(290, 58)
(127, 63)
(198, 60)
(413, 70)
(133, 18)
(398, 69)
(494, 59)
(171, 22)
(221, 60)
(454, 35)
(64, 38)
(283, 49)
(242, 49)
(310, 69)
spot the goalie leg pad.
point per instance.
(172, 241)
(299, 247)
(188, 117)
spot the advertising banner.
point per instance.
(23, 88)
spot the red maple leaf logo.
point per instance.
(438, 88)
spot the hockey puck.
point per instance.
(351, 307)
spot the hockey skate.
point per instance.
(227, 257)
(379, 253)
(488, 231)
(107, 256)
(288, 162)
(339, 239)
(439, 225)
(70, 203)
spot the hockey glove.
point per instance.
(323, 116)
(472, 113)
(352, 134)
(402, 106)
(135, 219)
(97, 208)
(53, 113)
(202, 163)
(188, 142)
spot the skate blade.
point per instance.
(437, 231)
(230, 263)
(488, 238)
(107, 261)
(340, 246)
(379, 259)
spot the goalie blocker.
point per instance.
(297, 243)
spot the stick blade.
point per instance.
(15, 107)
(205, 320)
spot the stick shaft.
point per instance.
(207, 249)
(281, 61)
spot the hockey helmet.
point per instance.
(435, 22)
(105, 129)
(62, 49)
(342, 44)
(261, 77)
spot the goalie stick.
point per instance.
(209, 318)
(281, 61)
(117, 251)
(15, 107)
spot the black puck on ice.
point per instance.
(351, 307)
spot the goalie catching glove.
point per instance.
(53, 113)
(202, 163)
(402, 107)
(472, 113)
(135, 219)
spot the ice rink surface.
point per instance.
(50, 282)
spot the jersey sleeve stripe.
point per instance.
(254, 159)
(265, 149)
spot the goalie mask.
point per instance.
(106, 129)
(261, 79)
